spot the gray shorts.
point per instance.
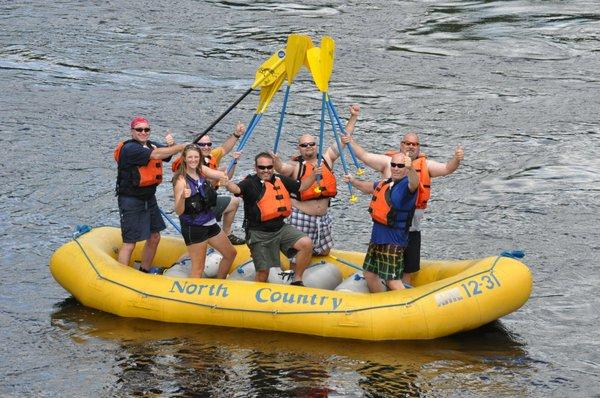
(222, 203)
(265, 246)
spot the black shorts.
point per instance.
(198, 234)
(139, 218)
(412, 253)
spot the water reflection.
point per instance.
(184, 360)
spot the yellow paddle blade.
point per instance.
(327, 51)
(309, 45)
(267, 93)
(270, 70)
(353, 199)
(313, 56)
(295, 53)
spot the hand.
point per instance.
(348, 178)
(223, 180)
(276, 158)
(318, 171)
(187, 192)
(346, 139)
(407, 161)
(169, 138)
(236, 155)
(240, 129)
(354, 109)
(459, 153)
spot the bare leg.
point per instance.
(150, 250)
(304, 248)
(125, 253)
(223, 246)
(198, 256)
(262, 275)
(395, 284)
(374, 282)
(229, 214)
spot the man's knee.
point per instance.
(304, 244)
(154, 238)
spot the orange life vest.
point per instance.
(275, 201)
(327, 184)
(141, 176)
(382, 209)
(420, 166)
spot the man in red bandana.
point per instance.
(139, 163)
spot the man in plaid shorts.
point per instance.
(310, 211)
(392, 207)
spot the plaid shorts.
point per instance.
(318, 229)
(385, 260)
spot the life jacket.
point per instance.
(382, 210)
(420, 166)
(275, 201)
(130, 179)
(327, 183)
(202, 198)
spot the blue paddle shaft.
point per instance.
(285, 100)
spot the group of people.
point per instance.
(286, 204)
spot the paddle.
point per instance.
(266, 94)
(268, 72)
(359, 170)
(295, 55)
(265, 75)
(353, 197)
(320, 61)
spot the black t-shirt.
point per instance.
(134, 154)
(252, 188)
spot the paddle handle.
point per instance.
(339, 147)
(169, 219)
(280, 126)
(343, 130)
(213, 124)
(255, 119)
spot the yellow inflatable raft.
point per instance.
(448, 297)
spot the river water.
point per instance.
(515, 82)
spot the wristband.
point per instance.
(235, 162)
(236, 136)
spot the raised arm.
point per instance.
(281, 167)
(375, 161)
(437, 169)
(213, 174)
(231, 186)
(363, 186)
(233, 138)
(331, 154)
(165, 152)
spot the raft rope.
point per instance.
(279, 312)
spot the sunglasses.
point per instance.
(398, 165)
(407, 143)
(208, 144)
(140, 129)
(261, 167)
(307, 144)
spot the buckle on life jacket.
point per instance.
(279, 197)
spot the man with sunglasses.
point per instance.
(392, 207)
(426, 169)
(227, 206)
(311, 209)
(267, 203)
(139, 162)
